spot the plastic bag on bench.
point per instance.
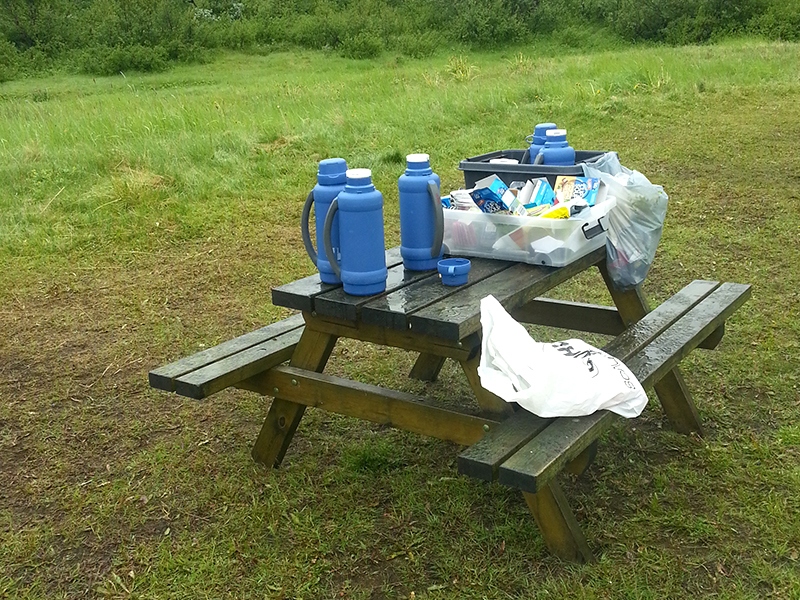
(635, 224)
(563, 379)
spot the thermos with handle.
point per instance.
(330, 182)
(361, 241)
(537, 140)
(556, 150)
(421, 215)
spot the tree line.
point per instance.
(108, 36)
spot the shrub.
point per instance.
(365, 44)
(103, 60)
(9, 61)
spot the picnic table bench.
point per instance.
(419, 314)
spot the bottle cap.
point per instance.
(556, 132)
(418, 158)
(543, 128)
(359, 174)
(331, 171)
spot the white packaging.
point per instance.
(563, 379)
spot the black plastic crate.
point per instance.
(478, 167)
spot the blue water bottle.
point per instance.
(537, 139)
(421, 216)
(330, 181)
(556, 150)
(361, 242)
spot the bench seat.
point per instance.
(205, 373)
(527, 452)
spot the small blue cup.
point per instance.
(454, 271)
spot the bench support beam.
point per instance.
(675, 398)
(558, 524)
(312, 353)
(490, 404)
(427, 367)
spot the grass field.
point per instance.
(143, 218)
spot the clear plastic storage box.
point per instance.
(533, 240)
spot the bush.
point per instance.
(9, 61)
(102, 60)
(363, 45)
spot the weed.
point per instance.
(459, 69)
(521, 64)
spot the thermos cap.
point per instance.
(359, 174)
(543, 128)
(556, 132)
(418, 158)
(331, 171)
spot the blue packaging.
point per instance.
(488, 194)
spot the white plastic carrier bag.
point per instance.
(563, 379)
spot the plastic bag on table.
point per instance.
(635, 224)
(563, 379)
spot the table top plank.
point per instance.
(460, 314)
(393, 310)
(300, 294)
(338, 304)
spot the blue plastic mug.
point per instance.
(454, 271)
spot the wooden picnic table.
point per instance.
(420, 314)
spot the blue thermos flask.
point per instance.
(421, 216)
(556, 150)
(537, 139)
(330, 181)
(361, 243)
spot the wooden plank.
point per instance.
(647, 329)
(558, 524)
(427, 367)
(164, 377)
(371, 403)
(537, 462)
(458, 350)
(300, 294)
(312, 353)
(591, 318)
(674, 344)
(459, 315)
(482, 459)
(340, 305)
(224, 373)
(393, 310)
(565, 438)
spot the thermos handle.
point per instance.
(326, 237)
(312, 254)
(438, 217)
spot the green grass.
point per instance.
(144, 217)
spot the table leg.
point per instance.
(675, 398)
(558, 524)
(312, 353)
(427, 367)
(490, 404)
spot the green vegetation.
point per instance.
(143, 217)
(105, 37)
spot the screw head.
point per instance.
(275, 391)
(486, 427)
(294, 381)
